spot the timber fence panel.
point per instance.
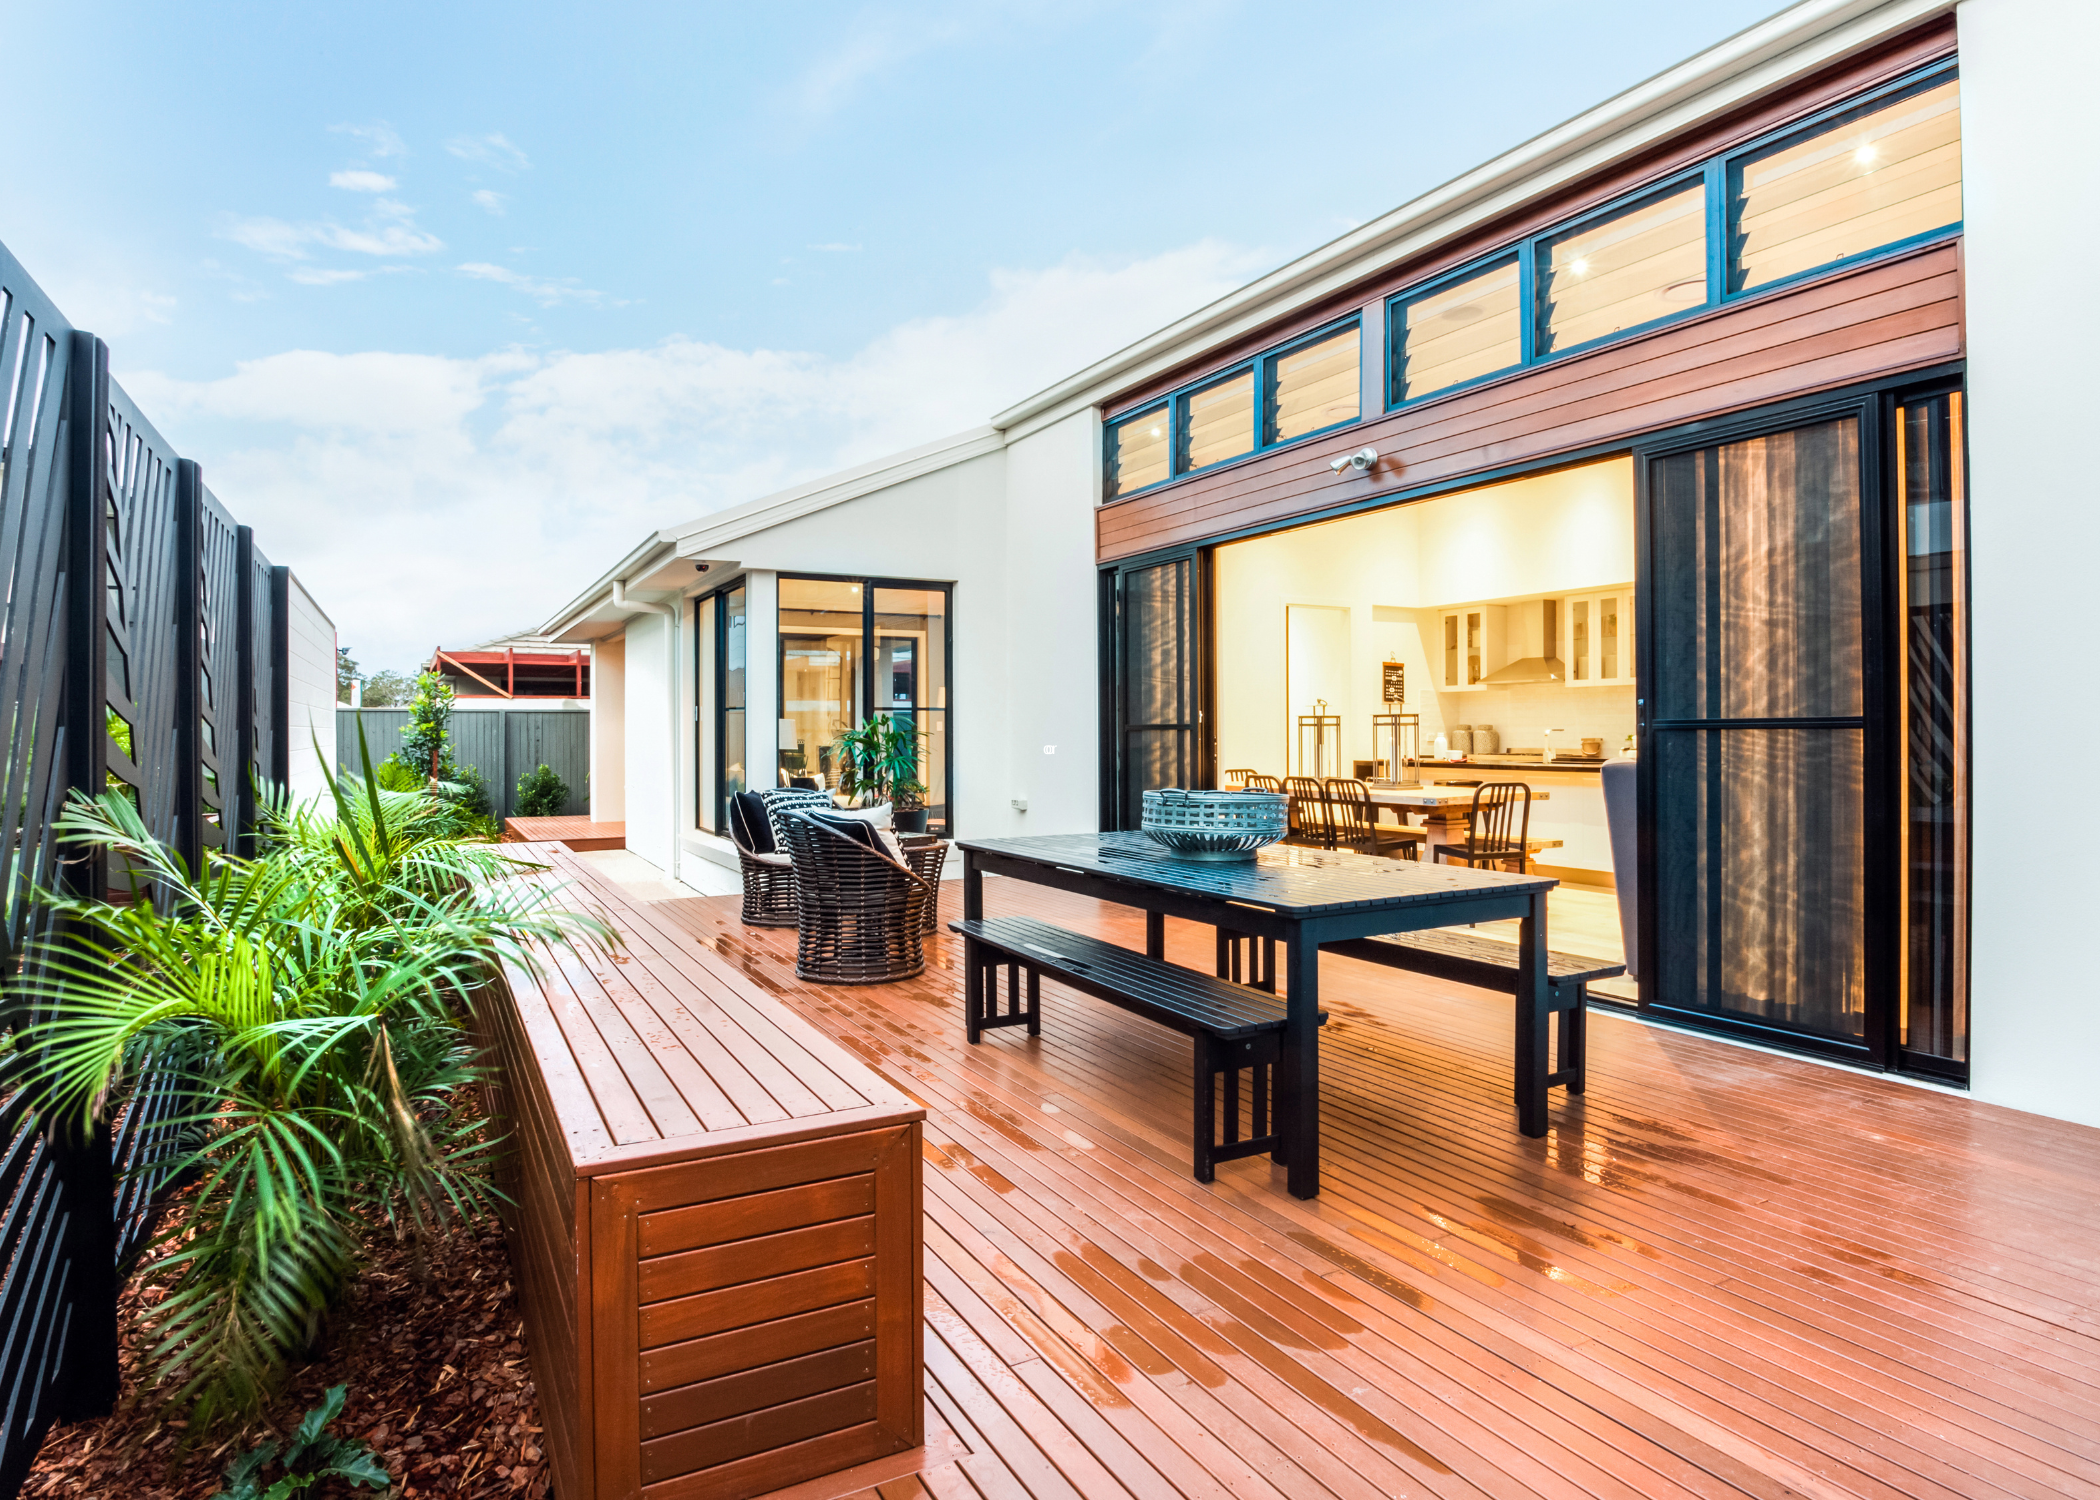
(562, 742)
(117, 659)
(503, 743)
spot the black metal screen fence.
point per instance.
(143, 642)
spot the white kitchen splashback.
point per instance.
(1521, 715)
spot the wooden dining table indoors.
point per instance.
(1300, 898)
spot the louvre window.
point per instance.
(1315, 386)
(1872, 178)
(1462, 331)
(1138, 451)
(1632, 268)
(1218, 422)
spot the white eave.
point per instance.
(1798, 41)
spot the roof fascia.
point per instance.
(651, 552)
(696, 538)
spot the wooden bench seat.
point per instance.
(715, 1218)
(1236, 1028)
(1466, 957)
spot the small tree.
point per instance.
(388, 689)
(426, 743)
(541, 793)
(345, 673)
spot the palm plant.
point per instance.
(313, 1003)
(880, 758)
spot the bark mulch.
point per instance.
(439, 1386)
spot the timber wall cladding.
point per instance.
(715, 1221)
(1902, 313)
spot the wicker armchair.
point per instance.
(769, 878)
(926, 853)
(863, 915)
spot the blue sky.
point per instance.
(456, 302)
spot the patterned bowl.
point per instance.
(1216, 825)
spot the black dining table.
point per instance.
(1301, 898)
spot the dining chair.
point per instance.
(1310, 824)
(1256, 782)
(1500, 823)
(1353, 817)
(1236, 781)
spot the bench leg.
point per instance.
(1217, 1059)
(1258, 967)
(1574, 1039)
(973, 989)
(1155, 934)
(1035, 1002)
(1206, 1121)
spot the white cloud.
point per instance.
(430, 500)
(543, 290)
(491, 150)
(489, 199)
(379, 137)
(390, 229)
(325, 276)
(358, 180)
(836, 248)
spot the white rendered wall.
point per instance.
(609, 730)
(309, 694)
(1051, 596)
(652, 803)
(2030, 219)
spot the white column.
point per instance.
(762, 679)
(609, 729)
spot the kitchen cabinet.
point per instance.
(1597, 638)
(1470, 642)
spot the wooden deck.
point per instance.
(579, 834)
(1722, 1273)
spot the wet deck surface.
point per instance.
(1722, 1273)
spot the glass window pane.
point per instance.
(1868, 180)
(911, 679)
(1459, 333)
(1316, 386)
(820, 660)
(1218, 422)
(732, 689)
(1137, 452)
(1627, 270)
(1757, 570)
(1934, 580)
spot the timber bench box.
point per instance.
(715, 1224)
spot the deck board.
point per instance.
(1721, 1273)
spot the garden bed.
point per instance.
(440, 1386)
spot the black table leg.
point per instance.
(1297, 1100)
(1534, 1020)
(973, 888)
(1155, 934)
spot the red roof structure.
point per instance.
(508, 672)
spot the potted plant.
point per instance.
(879, 760)
(908, 805)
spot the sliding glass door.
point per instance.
(1804, 775)
(1758, 739)
(1155, 725)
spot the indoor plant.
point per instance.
(879, 761)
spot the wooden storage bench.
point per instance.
(716, 1220)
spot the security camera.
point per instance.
(700, 567)
(1361, 460)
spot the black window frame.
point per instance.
(868, 585)
(1720, 174)
(1262, 366)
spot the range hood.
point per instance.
(1527, 670)
(1538, 626)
